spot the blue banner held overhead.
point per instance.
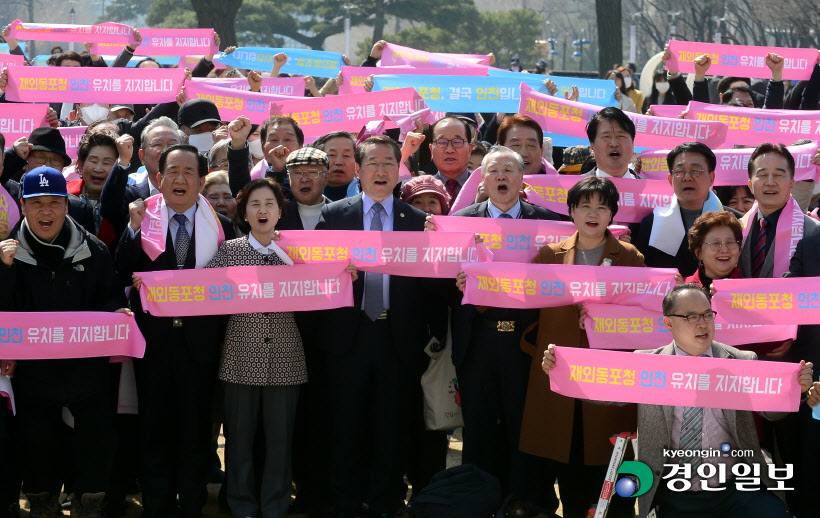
(483, 94)
(593, 91)
(304, 62)
(4, 47)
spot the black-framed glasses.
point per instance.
(716, 246)
(694, 318)
(456, 142)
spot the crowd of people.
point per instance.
(322, 411)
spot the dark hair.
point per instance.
(692, 147)
(2, 141)
(584, 189)
(777, 149)
(275, 121)
(724, 83)
(143, 60)
(93, 140)
(480, 148)
(520, 120)
(726, 192)
(610, 114)
(469, 134)
(202, 162)
(322, 141)
(728, 94)
(70, 55)
(382, 140)
(259, 183)
(620, 76)
(709, 220)
(671, 298)
(588, 165)
(92, 128)
(56, 50)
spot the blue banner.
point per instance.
(4, 47)
(482, 94)
(303, 62)
(40, 61)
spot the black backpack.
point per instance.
(459, 492)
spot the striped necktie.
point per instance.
(183, 240)
(759, 250)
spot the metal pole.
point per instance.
(71, 17)
(347, 33)
(633, 40)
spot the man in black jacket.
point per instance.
(175, 379)
(52, 264)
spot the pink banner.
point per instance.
(19, 120)
(233, 103)
(9, 213)
(397, 55)
(11, 60)
(670, 111)
(793, 300)
(733, 164)
(557, 115)
(410, 254)
(514, 240)
(347, 112)
(354, 76)
(246, 289)
(290, 86)
(740, 60)
(672, 380)
(512, 285)
(73, 334)
(73, 137)
(166, 42)
(108, 32)
(190, 62)
(750, 126)
(612, 326)
(93, 84)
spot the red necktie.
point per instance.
(759, 250)
(451, 185)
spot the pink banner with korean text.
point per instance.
(75, 334)
(290, 86)
(670, 111)
(410, 254)
(320, 116)
(673, 380)
(525, 286)
(11, 60)
(750, 126)
(246, 289)
(560, 116)
(19, 120)
(613, 326)
(73, 137)
(233, 103)
(397, 55)
(740, 60)
(732, 164)
(93, 84)
(793, 300)
(166, 42)
(513, 240)
(108, 32)
(353, 77)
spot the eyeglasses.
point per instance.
(312, 174)
(456, 142)
(694, 318)
(729, 245)
(56, 161)
(681, 173)
(388, 166)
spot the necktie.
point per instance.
(691, 434)
(504, 215)
(183, 240)
(374, 282)
(759, 250)
(451, 185)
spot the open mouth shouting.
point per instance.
(592, 224)
(179, 191)
(45, 224)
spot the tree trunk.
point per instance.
(219, 14)
(610, 38)
(378, 22)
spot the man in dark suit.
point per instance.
(491, 368)
(175, 379)
(375, 349)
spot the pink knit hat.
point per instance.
(423, 185)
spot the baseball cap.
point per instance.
(44, 181)
(197, 111)
(307, 156)
(123, 107)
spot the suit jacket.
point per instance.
(548, 414)
(464, 315)
(655, 428)
(117, 194)
(203, 334)
(804, 263)
(407, 294)
(810, 227)
(292, 220)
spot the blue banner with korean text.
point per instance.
(302, 62)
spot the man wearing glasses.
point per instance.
(661, 236)
(450, 149)
(307, 174)
(688, 315)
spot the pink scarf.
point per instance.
(789, 232)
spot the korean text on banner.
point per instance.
(73, 137)
(11, 60)
(354, 77)
(233, 103)
(793, 300)
(600, 92)
(93, 85)
(108, 32)
(170, 42)
(19, 120)
(246, 289)
(300, 61)
(290, 86)
(397, 55)
(658, 379)
(740, 60)
(526, 286)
